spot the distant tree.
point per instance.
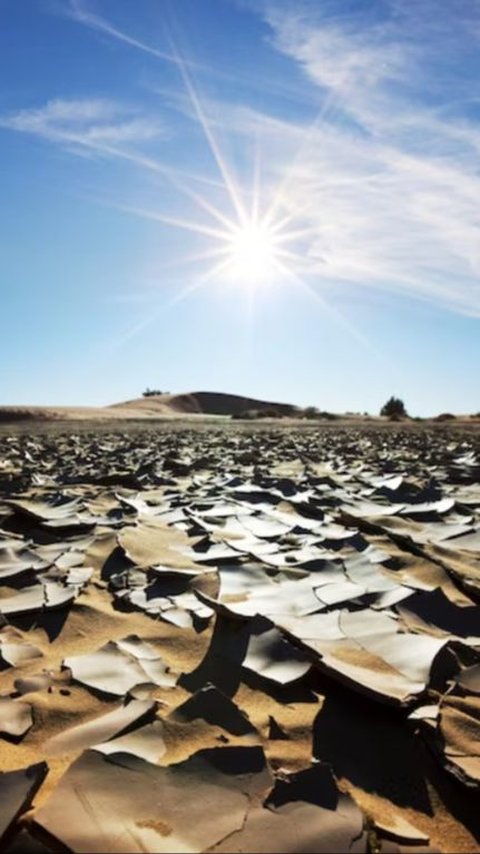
(310, 412)
(394, 409)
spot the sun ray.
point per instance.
(192, 258)
(336, 315)
(204, 203)
(295, 257)
(256, 177)
(300, 234)
(144, 162)
(300, 153)
(164, 306)
(279, 224)
(135, 329)
(214, 147)
(198, 283)
(178, 222)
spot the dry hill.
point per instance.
(155, 406)
(203, 403)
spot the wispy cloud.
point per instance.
(390, 174)
(92, 123)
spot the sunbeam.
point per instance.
(205, 126)
(210, 274)
(336, 315)
(177, 222)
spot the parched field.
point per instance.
(239, 638)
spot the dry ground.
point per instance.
(303, 593)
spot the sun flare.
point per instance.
(262, 236)
(252, 254)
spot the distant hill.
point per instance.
(194, 403)
(203, 403)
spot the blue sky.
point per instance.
(149, 147)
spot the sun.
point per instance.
(252, 253)
(262, 236)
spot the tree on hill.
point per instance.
(394, 408)
(152, 392)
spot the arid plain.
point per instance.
(231, 636)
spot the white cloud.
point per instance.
(339, 56)
(87, 122)
(387, 177)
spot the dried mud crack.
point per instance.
(223, 639)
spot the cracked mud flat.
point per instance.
(226, 639)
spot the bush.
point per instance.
(327, 416)
(445, 416)
(394, 409)
(270, 413)
(314, 414)
(255, 414)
